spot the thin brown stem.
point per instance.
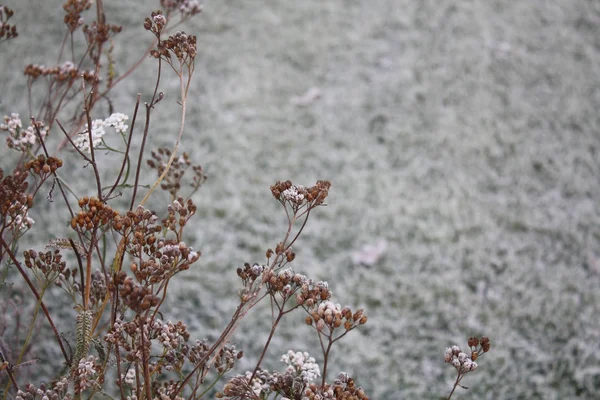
(145, 362)
(126, 155)
(325, 361)
(145, 137)
(456, 382)
(8, 370)
(88, 107)
(262, 355)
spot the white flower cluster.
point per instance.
(116, 121)
(292, 194)
(20, 139)
(301, 364)
(459, 360)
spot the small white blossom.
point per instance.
(115, 121)
(82, 140)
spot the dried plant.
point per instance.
(115, 264)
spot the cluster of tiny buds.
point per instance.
(43, 166)
(182, 45)
(298, 195)
(73, 9)
(57, 391)
(180, 211)
(87, 374)
(332, 316)
(7, 31)
(172, 180)
(240, 386)
(156, 22)
(166, 390)
(459, 360)
(49, 263)
(302, 365)
(60, 73)
(99, 33)
(137, 297)
(462, 361)
(226, 358)
(187, 8)
(93, 214)
(171, 335)
(343, 388)
(311, 294)
(14, 203)
(142, 219)
(285, 282)
(250, 272)
(168, 258)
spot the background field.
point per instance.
(463, 134)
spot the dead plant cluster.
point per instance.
(115, 263)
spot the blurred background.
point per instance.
(462, 141)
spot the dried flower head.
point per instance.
(42, 166)
(175, 174)
(298, 196)
(7, 31)
(342, 388)
(180, 44)
(57, 390)
(60, 74)
(14, 202)
(94, 214)
(73, 10)
(187, 8)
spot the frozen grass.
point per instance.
(464, 133)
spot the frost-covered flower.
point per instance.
(459, 360)
(301, 364)
(292, 194)
(82, 140)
